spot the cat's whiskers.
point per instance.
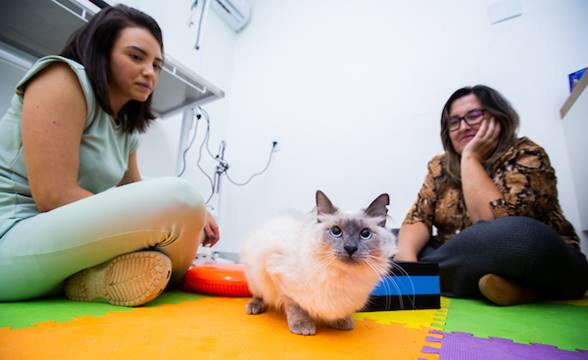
(377, 261)
(412, 297)
(405, 273)
(325, 259)
(376, 267)
(397, 286)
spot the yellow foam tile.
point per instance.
(415, 319)
(429, 356)
(578, 302)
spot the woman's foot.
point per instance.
(503, 292)
(127, 280)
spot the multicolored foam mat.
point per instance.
(181, 325)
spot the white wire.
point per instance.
(189, 145)
(205, 143)
(269, 160)
(207, 117)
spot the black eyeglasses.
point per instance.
(472, 117)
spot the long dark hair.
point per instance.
(91, 45)
(496, 105)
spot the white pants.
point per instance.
(40, 252)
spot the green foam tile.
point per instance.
(561, 325)
(25, 314)
(174, 297)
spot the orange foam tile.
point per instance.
(213, 328)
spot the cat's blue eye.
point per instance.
(365, 234)
(336, 232)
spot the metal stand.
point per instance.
(221, 167)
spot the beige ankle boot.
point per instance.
(127, 280)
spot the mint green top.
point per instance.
(104, 150)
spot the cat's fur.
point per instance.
(300, 266)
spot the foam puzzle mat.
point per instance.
(180, 325)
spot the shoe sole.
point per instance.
(127, 280)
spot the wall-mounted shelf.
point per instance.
(41, 27)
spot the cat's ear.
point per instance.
(323, 204)
(378, 208)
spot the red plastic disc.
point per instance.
(217, 279)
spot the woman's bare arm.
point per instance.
(411, 240)
(53, 119)
(132, 174)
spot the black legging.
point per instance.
(519, 249)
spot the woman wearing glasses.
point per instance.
(492, 198)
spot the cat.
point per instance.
(319, 269)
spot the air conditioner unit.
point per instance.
(236, 13)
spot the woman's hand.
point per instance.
(478, 188)
(411, 240)
(211, 232)
(405, 257)
(485, 141)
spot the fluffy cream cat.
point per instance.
(321, 268)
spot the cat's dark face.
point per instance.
(357, 237)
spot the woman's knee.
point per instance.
(516, 238)
(178, 192)
(514, 228)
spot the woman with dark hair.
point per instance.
(74, 214)
(492, 198)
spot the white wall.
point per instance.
(353, 94)
(353, 90)
(575, 130)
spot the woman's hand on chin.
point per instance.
(485, 141)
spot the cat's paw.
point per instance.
(343, 324)
(255, 306)
(302, 327)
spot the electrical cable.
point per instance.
(207, 117)
(197, 116)
(205, 141)
(269, 160)
(205, 144)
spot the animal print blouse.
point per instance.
(524, 176)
